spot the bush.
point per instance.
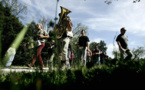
(123, 74)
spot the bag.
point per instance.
(38, 43)
(69, 33)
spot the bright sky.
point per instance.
(103, 21)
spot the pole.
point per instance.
(56, 13)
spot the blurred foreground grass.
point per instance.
(126, 74)
(15, 44)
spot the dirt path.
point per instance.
(21, 69)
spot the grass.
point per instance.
(122, 74)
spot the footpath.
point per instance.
(22, 69)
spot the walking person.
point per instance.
(71, 61)
(51, 55)
(96, 54)
(122, 41)
(63, 42)
(102, 57)
(89, 55)
(41, 36)
(83, 48)
(69, 54)
(93, 56)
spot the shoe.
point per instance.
(28, 65)
(68, 68)
(63, 67)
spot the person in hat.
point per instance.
(122, 41)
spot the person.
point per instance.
(51, 54)
(89, 55)
(83, 47)
(122, 42)
(71, 59)
(105, 57)
(63, 42)
(69, 54)
(93, 55)
(96, 54)
(41, 36)
(10, 54)
(102, 56)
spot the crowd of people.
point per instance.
(64, 53)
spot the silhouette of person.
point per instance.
(122, 41)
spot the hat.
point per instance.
(123, 28)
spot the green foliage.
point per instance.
(93, 45)
(121, 73)
(46, 23)
(77, 30)
(138, 52)
(101, 45)
(116, 54)
(1, 24)
(16, 8)
(16, 43)
(31, 34)
(27, 47)
(10, 27)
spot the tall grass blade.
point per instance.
(16, 43)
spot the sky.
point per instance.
(103, 21)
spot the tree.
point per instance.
(10, 28)
(10, 13)
(32, 31)
(101, 45)
(138, 52)
(16, 8)
(1, 26)
(93, 45)
(116, 54)
(47, 24)
(77, 30)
